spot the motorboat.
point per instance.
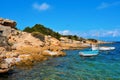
(89, 53)
(106, 48)
(94, 47)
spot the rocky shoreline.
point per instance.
(18, 48)
(19, 58)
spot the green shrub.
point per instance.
(43, 30)
(38, 35)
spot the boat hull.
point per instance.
(89, 53)
(103, 48)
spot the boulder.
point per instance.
(10, 61)
(53, 53)
(4, 66)
(4, 70)
(12, 54)
(2, 50)
(25, 57)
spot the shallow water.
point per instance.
(105, 66)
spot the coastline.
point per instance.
(72, 63)
(21, 57)
(21, 48)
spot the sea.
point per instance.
(104, 66)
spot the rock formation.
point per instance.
(6, 26)
(25, 48)
(7, 22)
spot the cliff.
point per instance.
(24, 48)
(36, 44)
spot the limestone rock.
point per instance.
(4, 66)
(12, 54)
(22, 39)
(2, 50)
(7, 22)
(4, 70)
(25, 57)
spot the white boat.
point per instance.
(102, 48)
(89, 53)
(106, 48)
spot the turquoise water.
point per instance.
(105, 66)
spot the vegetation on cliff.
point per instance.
(39, 31)
(74, 37)
(93, 40)
(42, 30)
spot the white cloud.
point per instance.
(113, 33)
(104, 5)
(41, 7)
(101, 33)
(65, 32)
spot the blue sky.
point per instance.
(86, 18)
